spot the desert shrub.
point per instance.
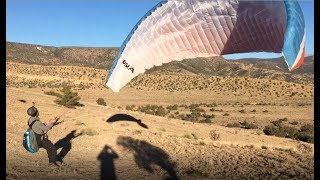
(304, 134)
(130, 108)
(153, 109)
(277, 123)
(174, 107)
(137, 132)
(214, 135)
(207, 120)
(101, 101)
(198, 110)
(226, 114)
(194, 116)
(270, 130)
(278, 131)
(247, 125)
(171, 116)
(69, 98)
(307, 128)
(208, 116)
(254, 110)
(187, 136)
(202, 143)
(289, 132)
(193, 106)
(294, 123)
(213, 109)
(52, 93)
(160, 111)
(284, 119)
(233, 125)
(212, 104)
(251, 126)
(242, 111)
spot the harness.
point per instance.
(30, 125)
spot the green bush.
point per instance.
(130, 108)
(193, 106)
(247, 125)
(174, 107)
(304, 134)
(101, 101)
(196, 110)
(270, 130)
(306, 137)
(289, 132)
(307, 128)
(277, 123)
(69, 98)
(251, 126)
(207, 120)
(160, 111)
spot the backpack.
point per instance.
(30, 140)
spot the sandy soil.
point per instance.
(157, 148)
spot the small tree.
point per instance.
(68, 99)
(101, 101)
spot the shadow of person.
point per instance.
(145, 155)
(106, 158)
(65, 144)
(126, 117)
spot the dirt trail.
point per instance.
(157, 148)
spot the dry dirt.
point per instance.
(159, 147)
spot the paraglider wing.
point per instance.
(179, 29)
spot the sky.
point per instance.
(97, 23)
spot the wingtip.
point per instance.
(298, 62)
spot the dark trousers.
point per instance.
(51, 150)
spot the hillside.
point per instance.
(47, 55)
(161, 148)
(102, 58)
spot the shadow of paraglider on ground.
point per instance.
(126, 117)
(107, 168)
(65, 144)
(145, 155)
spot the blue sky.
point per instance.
(96, 23)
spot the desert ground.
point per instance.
(114, 145)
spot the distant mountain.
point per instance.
(46, 55)
(102, 58)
